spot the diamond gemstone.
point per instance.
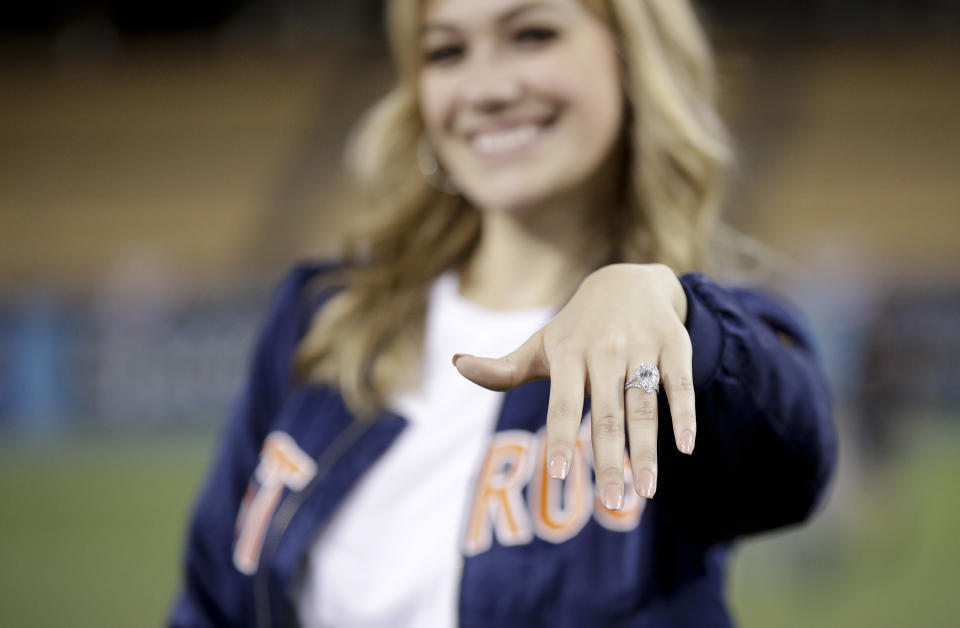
(648, 377)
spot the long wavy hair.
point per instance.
(367, 339)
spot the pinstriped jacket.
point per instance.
(766, 447)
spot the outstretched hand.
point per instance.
(622, 315)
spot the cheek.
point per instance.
(589, 89)
(434, 99)
(600, 99)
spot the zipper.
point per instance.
(465, 515)
(288, 509)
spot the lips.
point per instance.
(505, 140)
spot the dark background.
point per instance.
(799, 16)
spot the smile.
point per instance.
(506, 142)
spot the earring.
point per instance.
(430, 168)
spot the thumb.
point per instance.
(523, 365)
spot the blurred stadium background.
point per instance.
(161, 163)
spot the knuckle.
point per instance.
(610, 473)
(689, 420)
(564, 348)
(682, 384)
(609, 424)
(643, 410)
(611, 344)
(643, 457)
(514, 362)
(561, 409)
(661, 268)
(560, 444)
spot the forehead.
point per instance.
(469, 12)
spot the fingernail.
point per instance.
(613, 496)
(686, 442)
(558, 467)
(646, 483)
(457, 356)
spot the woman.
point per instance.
(539, 175)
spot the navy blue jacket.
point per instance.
(766, 447)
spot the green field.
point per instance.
(886, 553)
(91, 531)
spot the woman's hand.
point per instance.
(621, 316)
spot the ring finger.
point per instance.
(641, 415)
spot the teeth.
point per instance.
(496, 142)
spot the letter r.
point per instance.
(498, 505)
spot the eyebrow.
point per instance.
(502, 19)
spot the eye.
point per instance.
(443, 54)
(534, 35)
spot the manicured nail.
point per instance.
(646, 483)
(613, 496)
(686, 442)
(558, 467)
(457, 356)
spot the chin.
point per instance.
(516, 196)
(510, 203)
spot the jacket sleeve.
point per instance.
(766, 444)
(214, 592)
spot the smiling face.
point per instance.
(521, 99)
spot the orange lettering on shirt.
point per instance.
(560, 508)
(282, 465)
(498, 506)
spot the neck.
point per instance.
(537, 257)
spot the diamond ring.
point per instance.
(647, 378)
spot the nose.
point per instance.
(490, 87)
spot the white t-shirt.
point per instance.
(391, 555)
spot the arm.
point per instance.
(766, 444)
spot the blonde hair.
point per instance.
(367, 339)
